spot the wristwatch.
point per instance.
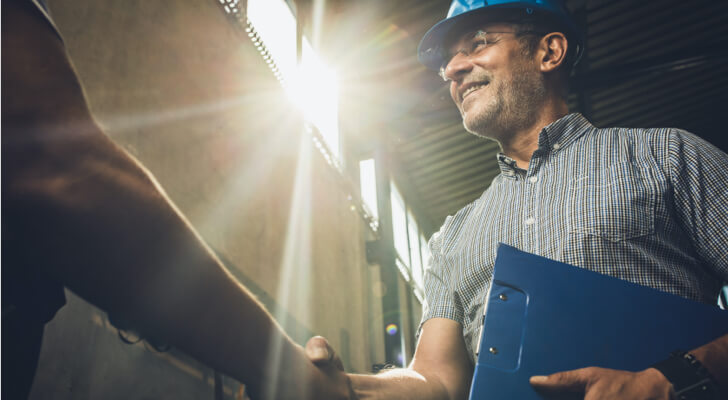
(690, 379)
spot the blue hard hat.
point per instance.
(432, 52)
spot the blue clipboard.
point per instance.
(544, 316)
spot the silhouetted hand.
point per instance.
(325, 358)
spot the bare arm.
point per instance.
(439, 370)
(92, 217)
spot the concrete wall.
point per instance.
(179, 88)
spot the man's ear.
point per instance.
(552, 50)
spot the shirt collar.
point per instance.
(562, 132)
(553, 137)
(507, 165)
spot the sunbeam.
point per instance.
(294, 286)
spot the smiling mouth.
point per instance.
(473, 88)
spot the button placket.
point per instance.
(530, 216)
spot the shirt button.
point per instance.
(530, 221)
(557, 146)
(533, 179)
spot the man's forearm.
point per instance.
(97, 222)
(89, 215)
(440, 368)
(400, 384)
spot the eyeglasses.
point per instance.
(475, 44)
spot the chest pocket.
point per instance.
(615, 204)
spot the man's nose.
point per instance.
(458, 67)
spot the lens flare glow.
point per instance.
(392, 329)
(314, 90)
(310, 84)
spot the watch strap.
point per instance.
(690, 379)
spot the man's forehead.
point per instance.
(468, 32)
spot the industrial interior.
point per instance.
(316, 156)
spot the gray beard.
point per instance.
(515, 109)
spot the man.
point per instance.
(77, 211)
(645, 205)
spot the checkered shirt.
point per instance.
(646, 205)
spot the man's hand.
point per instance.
(325, 358)
(440, 368)
(605, 384)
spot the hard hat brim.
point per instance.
(432, 50)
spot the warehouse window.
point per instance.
(311, 85)
(409, 242)
(414, 249)
(425, 256)
(368, 185)
(316, 94)
(276, 26)
(399, 227)
(424, 251)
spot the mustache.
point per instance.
(477, 78)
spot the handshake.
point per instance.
(322, 355)
(444, 372)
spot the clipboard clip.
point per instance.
(503, 335)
